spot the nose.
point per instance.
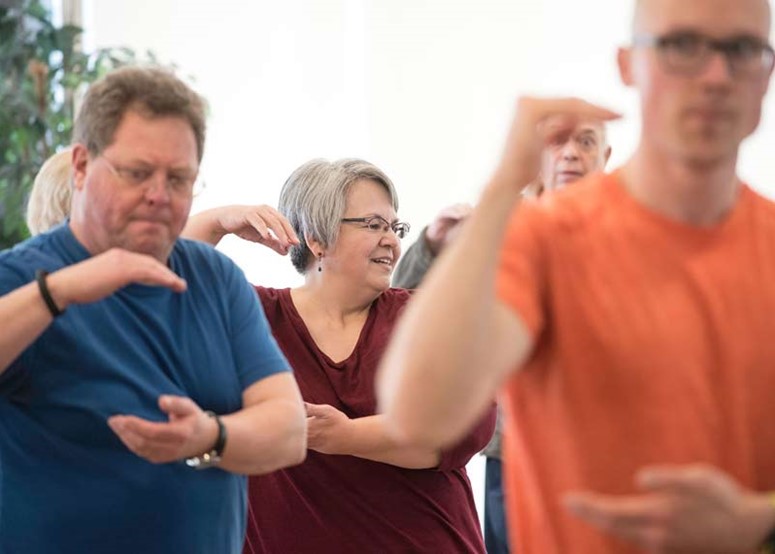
(570, 150)
(156, 190)
(718, 69)
(390, 238)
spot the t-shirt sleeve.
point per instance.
(256, 353)
(520, 278)
(12, 277)
(460, 454)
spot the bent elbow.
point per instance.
(408, 432)
(297, 448)
(295, 444)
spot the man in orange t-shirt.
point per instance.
(637, 308)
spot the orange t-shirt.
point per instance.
(653, 344)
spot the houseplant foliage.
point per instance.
(42, 72)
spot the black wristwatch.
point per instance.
(212, 457)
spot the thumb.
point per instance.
(177, 406)
(316, 410)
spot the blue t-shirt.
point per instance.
(67, 483)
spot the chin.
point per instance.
(156, 249)
(708, 150)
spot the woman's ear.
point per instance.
(317, 248)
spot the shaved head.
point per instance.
(646, 11)
(698, 116)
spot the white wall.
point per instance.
(422, 88)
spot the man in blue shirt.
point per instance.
(129, 356)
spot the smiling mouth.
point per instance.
(383, 261)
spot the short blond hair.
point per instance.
(49, 202)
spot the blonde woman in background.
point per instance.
(49, 202)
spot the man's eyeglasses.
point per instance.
(178, 182)
(688, 53)
(379, 224)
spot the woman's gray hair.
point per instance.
(314, 199)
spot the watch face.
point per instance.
(208, 459)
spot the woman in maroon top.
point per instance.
(357, 491)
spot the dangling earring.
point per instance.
(320, 262)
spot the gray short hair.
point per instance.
(148, 90)
(315, 196)
(49, 202)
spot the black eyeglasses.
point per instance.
(378, 224)
(688, 53)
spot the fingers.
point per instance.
(694, 478)
(539, 109)
(635, 519)
(616, 512)
(162, 276)
(177, 406)
(317, 410)
(456, 212)
(154, 441)
(143, 269)
(265, 219)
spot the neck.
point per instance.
(334, 300)
(694, 193)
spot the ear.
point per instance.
(314, 245)
(624, 61)
(767, 82)
(607, 155)
(80, 163)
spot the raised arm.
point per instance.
(457, 341)
(85, 282)
(262, 224)
(417, 260)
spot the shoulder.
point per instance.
(193, 259)
(393, 301)
(578, 207)
(38, 252)
(760, 204)
(274, 302)
(270, 296)
(580, 202)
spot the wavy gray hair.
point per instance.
(315, 196)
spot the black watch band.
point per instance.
(40, 277)
(213, 456)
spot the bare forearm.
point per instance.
(30, 316)
(369, 440)
(265, 437)
(204, 227)
(443, 366)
